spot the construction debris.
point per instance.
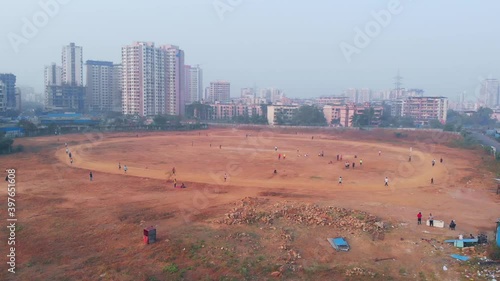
(254, 211)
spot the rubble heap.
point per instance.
(254, 210)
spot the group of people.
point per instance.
(125, 168)
(69, 153)
(451, 226)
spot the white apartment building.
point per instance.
(284, 111)
(220, 91)
(72, 65)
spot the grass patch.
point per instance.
(170, 268)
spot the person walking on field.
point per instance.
(125, 168)
(360, 162)
(353, 164)
(340, 180)
(419, 218)
(175, 183)
(225, 177)
(173, 171)
(386, 181)
(431, 220)
(91, 176)
(119, 166)
(71, 161)
(379, 152)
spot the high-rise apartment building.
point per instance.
(364, 95)
(9, 81)
(194, 84)
(153, 79)
(101, 86)
(489, 93)
(220, 91)
(175, 81)
(3, 97)
(64, 90)
(72, 65)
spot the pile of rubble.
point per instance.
(358, 271)
(254, 210)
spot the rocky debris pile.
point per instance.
(358, 271)
(254, 210)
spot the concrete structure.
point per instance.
(175, 91)
(194, 84)
(248, 96)
(101, 86)
(351, 94)
(65, 98)
(277, 112)
(489, 93)
(19, 106)
(9, 81)
(331, 100)
(117, 89)
(53, 75)
(421, 109)
(342, 115)
(424, 109)
(143, 84)
(3, 97)
(227, 111)
(364, 95)
(72, 65)
(153, 79)
(220, 91)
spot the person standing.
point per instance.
(379, 153)
(353, 163)
(119, 166)
(91, 176)
(125, 168)
(431, 220)
(432, 180)
(340, 180)
(225, 177)
(433, 162)
(360, 162)
(441, 160)
(386, 182)
(419, 218)
(71, 161)
(173, 171)
(175, 183)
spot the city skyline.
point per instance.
(268, 52)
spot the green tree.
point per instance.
(5, 143)
(436, 124)
(308, 115)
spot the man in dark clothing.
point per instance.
(91, 176)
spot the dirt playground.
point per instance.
(238, 219)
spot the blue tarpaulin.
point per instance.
(459, 257)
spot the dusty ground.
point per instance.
(71, 228)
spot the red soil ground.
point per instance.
(71, 228)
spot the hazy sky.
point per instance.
(443, 47)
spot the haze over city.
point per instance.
(444, 48)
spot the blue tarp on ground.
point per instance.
(498, 236)
(463, 240)
(459, 257)
(339, 243)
